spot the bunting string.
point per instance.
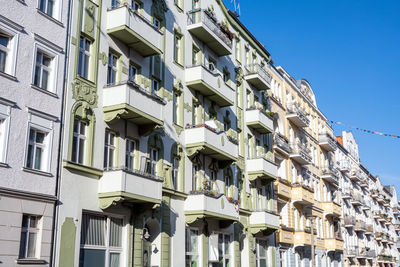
(355, 127)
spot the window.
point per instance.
(237, 50)
(153, 161)
(29, 237)
(109, 150)
(112, 68)
(261, 253)
(36, 150)
(4, 50)
(42, 70)
(155, 86)
(212, 64)
(135, 6)
(195, 56)
(226, 76)
(222, 250)
(115, 3)
(101, 241)
(175, 172)
(130, 154)
(194, 112)
(177, 48)
(4, 127)
(84, 57)
(79, 141)
(133, 73)
(191, 248)
(227, 181)
(156, 23)
(46, 6)
(175, 109)
(195, 171)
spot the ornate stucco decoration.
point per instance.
(239, 76)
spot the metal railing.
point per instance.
(281, 142)
(256, 68)
(299, 148)
(292, 108)
(349, 220)
(332, 171)
(204, 16)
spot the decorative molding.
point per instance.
(239, 76)
(105, 203)
(47, 43)
(103, 58)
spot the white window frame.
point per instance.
(175, 172)
(198, 245)
(28, 230)
(87, 53)
(80, 138)
(130, 155)
(5, 115)
(12, 29)
(258, 257)
(110, 149)
(177, 47)
(107, 248)
(112, 68)
(230, 256)
(57, 4)
(44, 123)
(154, 157)
(52, 68)
(42, 146)
(132, 77)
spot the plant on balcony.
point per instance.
(233, 201)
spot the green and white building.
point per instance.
(167, 157)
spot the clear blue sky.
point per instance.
(349, 50)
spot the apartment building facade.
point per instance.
(370, 212)
(32, 56)
(307, 183)
(168, 158)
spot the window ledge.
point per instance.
(8, 76)
(30, 261)
(82, 168)
(4, 165)
(50, 17)
(44, 91)
(43, 173)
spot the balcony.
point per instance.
(130, 186)
(263, 221)
(355, 175)
(369, 230)
(327, 142)
(344, 166)
(332, 209)
(259, 120)
(350, 252)
(133, 29)
(349, 221)
(302, 238)
(360, 226)
(364, 183)
(210, 142)
(261, 168)
(285, 236)
(333, 244)
(130, 102)
(370, 254)
(283, 188)
(330, 174)
(356, 199)
(257, 76)
(210, 84)
(200, 205)
(374, 193)
(302, 195)
(296, 116)
(204, 26)
(300, 153)
(281, 144)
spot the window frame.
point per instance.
(50, 69)
(257, 254)
(81, 138)
(176, 160)
(28, 229)
(110, 149)
(191, 254)
(107, 248)
(86, 57)
(43, 146)
(128, 154)
(12, 30)
(5, 111)
(45, 10)
(112, 68)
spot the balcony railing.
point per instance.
(331, 174)
(327, 142)
(360, 226)
(349, 221)
(300, 153)
(344, 166)
(258, 76)
(213, 36)
(297, 116)
(281, 144)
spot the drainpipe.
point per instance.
(60, 141)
